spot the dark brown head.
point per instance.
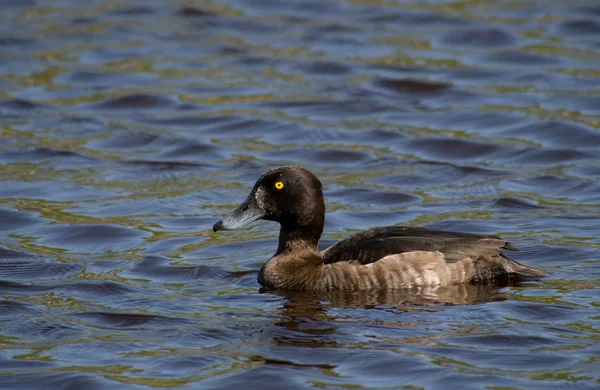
(289, 195)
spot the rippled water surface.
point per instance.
(128, 128)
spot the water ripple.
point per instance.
(128, 128)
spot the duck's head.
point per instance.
(289, 195)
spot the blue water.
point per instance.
(128, 128)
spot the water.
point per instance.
(128, 128)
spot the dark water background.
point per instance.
(128, 128)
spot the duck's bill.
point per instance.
(245, 214)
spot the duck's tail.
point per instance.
(514, 267)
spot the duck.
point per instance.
(392, 257)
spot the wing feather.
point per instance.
(371, 245)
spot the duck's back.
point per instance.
(371, 245)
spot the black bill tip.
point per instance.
(218, 226)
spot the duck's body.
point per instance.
(382, 258)
(393, 257)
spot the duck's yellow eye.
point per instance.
(279, 185)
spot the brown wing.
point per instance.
(371, 245)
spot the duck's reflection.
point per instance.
(459, 294)
(308, 320)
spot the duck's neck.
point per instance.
(297, 263)
(299, 237)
